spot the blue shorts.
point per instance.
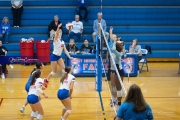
(32, 99)
(54, 57)
(63, 94)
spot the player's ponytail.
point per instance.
(38, 66)
(35, 75)
(67, 70)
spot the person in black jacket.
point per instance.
(3, 52)
(53, 27)
(72, 48)
(86, 48)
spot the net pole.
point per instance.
(122, 85)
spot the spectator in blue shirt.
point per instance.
(95, 26)
(134, 107)
(82, 5)
(5, 30)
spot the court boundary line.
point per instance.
(95, 97)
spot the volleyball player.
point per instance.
(36, 88)
(65, 92)
(39, 66)
(116, 49)
(55, 57)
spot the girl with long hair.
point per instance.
(117, 53)
(72, 48)
(55, 58)
(36, 88)
(39, 66)
(134, 107)
(65, 92)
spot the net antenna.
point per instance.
(100, 30)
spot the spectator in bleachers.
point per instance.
(53, 27)
(72, 48)
(5, 30)
(95, 27)
(17, 9)
(82, 5)
(77, 29)
(86, 48)
(135, 48)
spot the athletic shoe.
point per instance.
(3, 76)
(22, 109)
(17, 26)
(11, 66)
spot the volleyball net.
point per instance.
(101, 46)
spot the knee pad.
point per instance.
(69, 111)
(119, 93)
(33, 114)
(39, 117)
(64, 108)
(114, 89)
(52, 73)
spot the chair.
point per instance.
(143, 61)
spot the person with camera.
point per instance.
(72, 48)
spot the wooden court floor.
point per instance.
(160, 86)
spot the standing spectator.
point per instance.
(53, 27)
(5, 30)
(82, 5)
(71, 47)
(95, 27)
(3, 52)
(77, 29)
(86, 48)
(136, 49)
(17, 9)
(134, 107)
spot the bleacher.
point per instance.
(152, 22)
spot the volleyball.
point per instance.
(69, 26)
(43, 41)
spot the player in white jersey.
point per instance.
(55, 58)
(65, 92)
(36, 88)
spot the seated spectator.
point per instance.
(72, 48)
(86, 48)
(17, 9)
(95, 27)
(82, 5)
(77, 29)
(134, 107)
(5, 30)
(136, 49)
(53, 27)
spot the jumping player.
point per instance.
(55, 58)
(65, 92)
(36, 88)
(40, 66)
(116, 49)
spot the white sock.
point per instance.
(24, 106)
(113, 98)
(63, 71)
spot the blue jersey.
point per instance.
(126, 112)
(28, 84)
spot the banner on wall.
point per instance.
(88, 65)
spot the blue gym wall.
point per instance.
(152, 22)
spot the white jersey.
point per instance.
(58, 47)
(67, 82)
(77, 26)
(36, 88)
